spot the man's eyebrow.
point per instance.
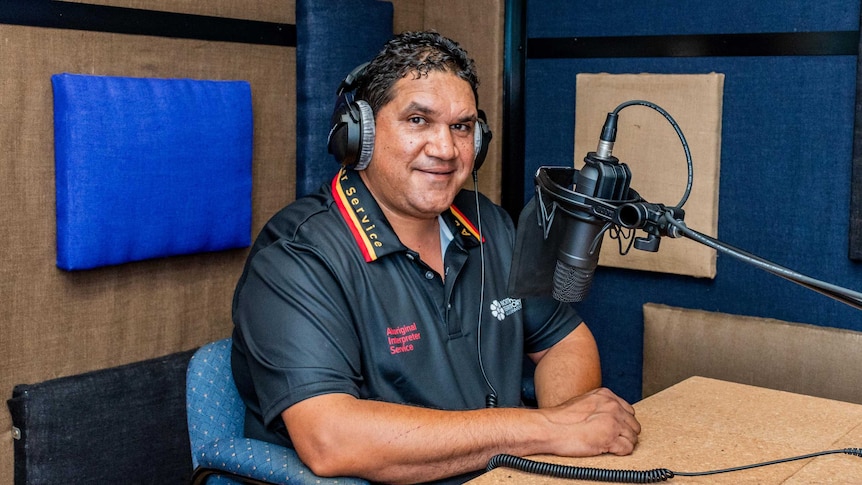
(421, 108)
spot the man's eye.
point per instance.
(416, 120)
(461, 127)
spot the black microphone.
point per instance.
(602, 177)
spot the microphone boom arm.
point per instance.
(844, 295)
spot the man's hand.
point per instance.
(594, 423)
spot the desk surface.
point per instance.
(704, 424)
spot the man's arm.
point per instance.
(337, 434)
(569, 368)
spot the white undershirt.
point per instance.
(446, 236)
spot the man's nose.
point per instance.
(441, 144)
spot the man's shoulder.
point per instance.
(468, 201)
(311, 214)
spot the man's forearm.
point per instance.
(404, 444)
(338, 435)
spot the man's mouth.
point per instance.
(437, 171)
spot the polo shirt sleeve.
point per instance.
(546, 322)
(292, 317)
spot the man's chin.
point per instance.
(436, 205)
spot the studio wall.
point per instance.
(58, 323)
(786, 152)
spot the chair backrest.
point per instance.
(103, 426)
(216, 417)
(214, 407)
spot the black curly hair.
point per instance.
(416, 54)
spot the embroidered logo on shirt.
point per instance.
(502, 309)
(401, 338)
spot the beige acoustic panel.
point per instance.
(648, 144)
(794, 357)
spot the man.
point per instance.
(372, 321)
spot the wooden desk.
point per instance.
(704, 424)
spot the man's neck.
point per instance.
(420, 235)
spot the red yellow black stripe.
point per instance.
(341, 200)
(467, 228)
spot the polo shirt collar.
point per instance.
(371, 231)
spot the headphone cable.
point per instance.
(491, 398)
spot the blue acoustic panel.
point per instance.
(332, 38)
(147, 168)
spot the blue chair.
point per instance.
(216, 415)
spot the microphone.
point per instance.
(573, 220)
(602, 177)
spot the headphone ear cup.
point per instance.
(351, 138)
(366, 135)
(481, 141)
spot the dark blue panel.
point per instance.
(332, 39)
(564, 18)
(784, 193)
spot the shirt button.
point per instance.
(429, 275)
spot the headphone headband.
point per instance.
(348, 84)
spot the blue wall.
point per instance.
(786, 157)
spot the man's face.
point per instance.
(423, 146)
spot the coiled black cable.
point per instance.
(579, 473)
(631, 476)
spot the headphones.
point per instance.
(351, 138)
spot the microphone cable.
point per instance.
(612, 120)
(633, 476)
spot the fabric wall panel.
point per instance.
(647, 147)
(563, 18)
(408, 15)
(332, 40)
(56, 324)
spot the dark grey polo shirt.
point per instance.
(330, 301)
